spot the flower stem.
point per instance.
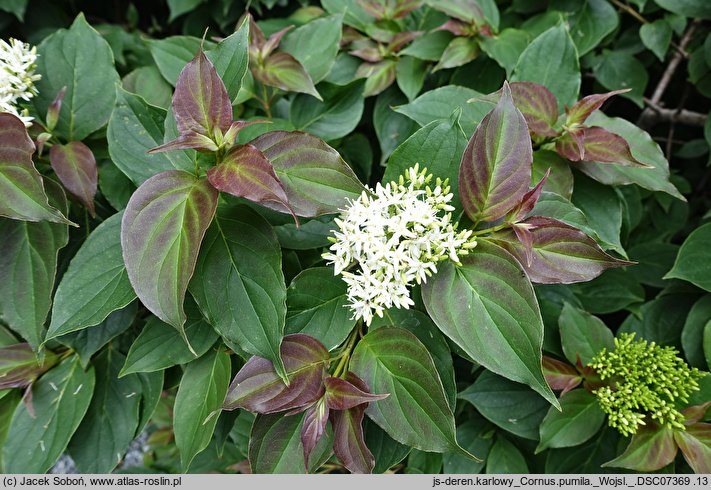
(493, 229)
(345, 355)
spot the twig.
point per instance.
(659, 114)
(648, 118)
(630, 10)
(672, 126)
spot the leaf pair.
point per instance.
(258, 388)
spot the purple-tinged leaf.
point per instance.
(402, 39)
(587, 105)
(258, 388)
(75, 165)
(695, 445)
(571, 145)
(348, 440)
(606, 147)
(496, 165)
(281, 70)
(528, 201)
(562, 254)
(246, 172)
(368, 53)
(374, 8)
(314, 426)
(200, 102)
(538, 106)
(237, 126)
(316, 179)
(650, 449)
(19, 366)
(525, 238)
(161, 233)
(695, 413)
(186, 141)
(54, 108)
(560, 375)
(457, 27)
(379, 76)
(21, 185)
(342, 394)
(273, 41)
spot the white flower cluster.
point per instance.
(17, 77)
(396, 235)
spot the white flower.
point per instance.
(17, 77)
(395, 234)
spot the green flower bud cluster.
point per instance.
(646, 380)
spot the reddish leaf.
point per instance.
(316, 179)
(379, 76)
(528, 201)
(75, 165)
(281, 70)
(189, 140)
(161, 234)
(587, 105)
(457, 27)
(571, 145)
(562, 254)
(273, 41)
(368, 53)
(258, 388)
(538, 105)
(695, 413)
(342, 394)
(54, 108)
(559, 375)
(200, 102)
(525, 238)
(21, 185)
(246, 172)
(314, 426)
(496, 165)
(650, 449)
(606, 147)
(695, 445)
(19, 366)
(402, 39)
(348, 441)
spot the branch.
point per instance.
(656, 114)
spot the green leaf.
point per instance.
(151, 392)
(694, 329)
(441, 102)
(553, 48)
(386, 450)
(161, 232)
(281, 70)
(475, 435)
(317, 306)
(618, 70)
(240, 265)
(560, 179)
(89, 341)
(275, 445)
(650, 449)
(512, 406)
(336, 116)
(353, 13)
(438, 146)
(643, 148)
(579, 418)
(315, 45)
(506, 47)
(159, 346)
(103, 436)
(602, 207)
(499, 152)
(429, 46)
(147, 82)
(28, 265)
(15, 7)
(583, 334)
(392, 360)
(693, 263)
(180, 7)
(591, 24)
(66, 57)
(654, 259)
(316, 179)
(22, 186)
(60, 399)
(173, 53)
(391, 128)
(460, 51)
(662, 319)
(687, 8)
(585, 458)
(8, 405)
(695, 444)
(114, 185)
(614, 290)
(230, 58)
(505, 458)
(707, 343)
(95, 284)
(488, 308)
(201, 392)
(410, 75)
(134, 128)
(656, 36)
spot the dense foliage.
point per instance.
(413, 236)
